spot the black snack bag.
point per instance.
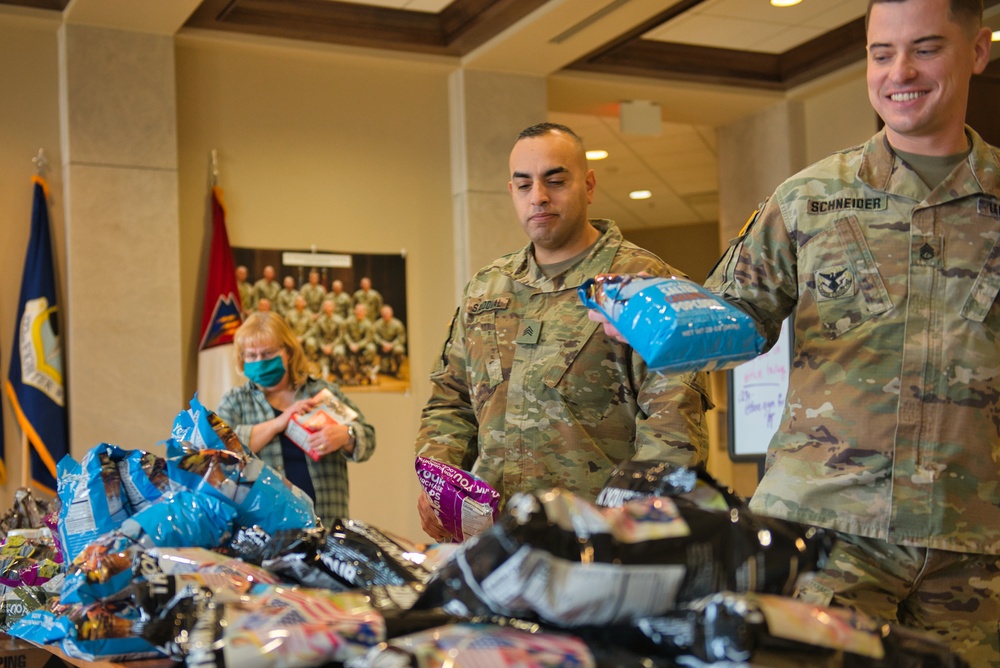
(631, 480)
(748, 627)
(366, 557)
(349, 555)
(565, 561)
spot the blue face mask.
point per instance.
(266, 373)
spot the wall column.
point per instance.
(756, 154)
(119, 149)
(488, 109)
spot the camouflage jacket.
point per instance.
(359, 332)
(891, 429)
(285, 301)
(264, 289)
(327, 329)
(342, 304)
(314, 295)
(300, 322)
(389, 332)
(372, 299)
(530, 394)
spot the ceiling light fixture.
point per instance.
(597, 154)
(996, 35)
(785, 3)
(640, 194)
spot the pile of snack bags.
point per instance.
(210, 557)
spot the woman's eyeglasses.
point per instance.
(258, 355)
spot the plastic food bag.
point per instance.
(270, 627)
(674, 324)
(205, 430)
(351, 555)
(480, 644)
(632, 480)
(558, 558)
(727, 627)
(464, 504)
(92, 496)
(260, 495)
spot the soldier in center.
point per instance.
(529, 393)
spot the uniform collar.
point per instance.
(978, 174)
(522, 267)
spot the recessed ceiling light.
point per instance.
(785, 3)
(996, 35)
(598, 154)
(640, 194)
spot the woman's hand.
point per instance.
(331, 438)
(300, 407)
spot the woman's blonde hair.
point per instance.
(267, 328)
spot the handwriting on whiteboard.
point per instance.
(757, 395)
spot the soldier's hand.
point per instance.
(609, 329)
(429, 521)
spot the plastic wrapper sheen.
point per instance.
(565, 561)
(673, 323)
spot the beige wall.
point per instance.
(688, 248)
(312, 151)
(29, 120)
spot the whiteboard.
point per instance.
(757, 391)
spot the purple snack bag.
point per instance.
(465, 504)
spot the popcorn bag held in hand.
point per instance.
(674, 324)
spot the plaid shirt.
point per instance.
(245, 406)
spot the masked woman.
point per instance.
(278, 387)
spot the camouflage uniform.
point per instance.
(342, 304)
(301, 323)
(372, 299)
(891, 429)
(264, 289)
(530, 394)
(246, 296)
(390, 333)
(361, 334)
(327, 330)
(285, 302)
(313, 295)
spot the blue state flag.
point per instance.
(35, 382)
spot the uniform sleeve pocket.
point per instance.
(485, 369)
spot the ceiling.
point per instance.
(704, 62)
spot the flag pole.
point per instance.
(41, 164)
(25, 461)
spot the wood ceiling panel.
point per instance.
(459, 28)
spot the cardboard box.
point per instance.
(329, 410)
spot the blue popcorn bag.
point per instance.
(205, 430)
(674, 324)
(92, 496)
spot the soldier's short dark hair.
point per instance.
(540, 129)
(963, 12)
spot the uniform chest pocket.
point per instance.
(982, 298)
(591, 377)
(846, 284)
